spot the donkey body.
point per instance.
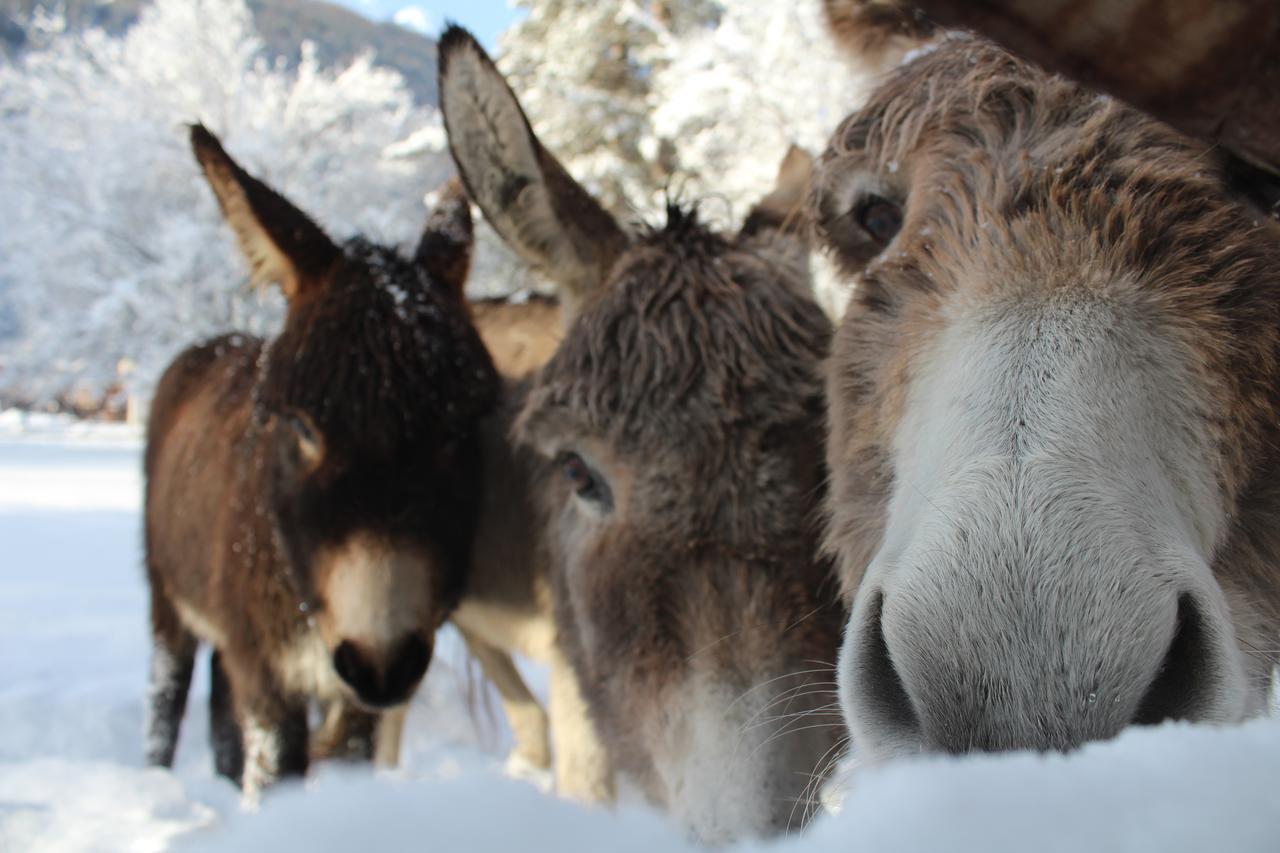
(521, 331)
(1054, 404)
(677, 470)
(311, 500)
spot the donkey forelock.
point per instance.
(410, 367)
(689, 321)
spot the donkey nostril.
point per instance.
(352, 668)
(407, 667)
(878, 689)
(1183, 682)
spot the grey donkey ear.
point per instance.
(281, 242)
(525, 194)
(783, 207)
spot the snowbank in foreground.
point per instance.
(1176, 788)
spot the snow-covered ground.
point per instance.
(73, 657)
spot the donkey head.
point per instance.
(1053, 415)
(368, 403)
(681, 418)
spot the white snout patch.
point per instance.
(1055, 491)
(374, 595)
(737, 764)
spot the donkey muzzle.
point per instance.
(382, 680)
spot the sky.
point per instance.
(485, 18)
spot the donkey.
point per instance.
(311, 499)
(1054, 442)
(877, 34)
(678, 428)
(521, 331)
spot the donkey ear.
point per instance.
(445, 248)
(526, 195)
(280, 242)
(783, 206)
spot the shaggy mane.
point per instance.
(690, 323)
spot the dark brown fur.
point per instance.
(358, 420)
(877, 33)
(1208, 67)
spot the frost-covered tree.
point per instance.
(111, 245)
(696, 98)
(733, 96)
(584, 71)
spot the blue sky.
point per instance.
(486, 18)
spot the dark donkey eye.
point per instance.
(879, 217)
(307, 442)
(585, 482)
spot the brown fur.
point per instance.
(877, 33)
(672, 377)
(1207, 67)
(1016, 182)
(520, 335)
(354, 428)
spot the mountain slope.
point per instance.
(338, 33)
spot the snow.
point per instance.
(73, 663)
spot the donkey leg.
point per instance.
(347, 734)
(275, 732)
(386, 752)
(528, 720)
(224, 729)
(173, 654)
(583, 769)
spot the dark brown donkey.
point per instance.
(680, 426)
(311, 499)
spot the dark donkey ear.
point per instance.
(445, 248)
(281, 243)
(783, 207)
(526, 195)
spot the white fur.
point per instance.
(720, 754)
(161, 733)
(374, 595)
(261, 760)
(1054, 466)
(197, 624)
(306, 668)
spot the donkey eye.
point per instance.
(585, 482)
(306, 440)
(879, 217)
